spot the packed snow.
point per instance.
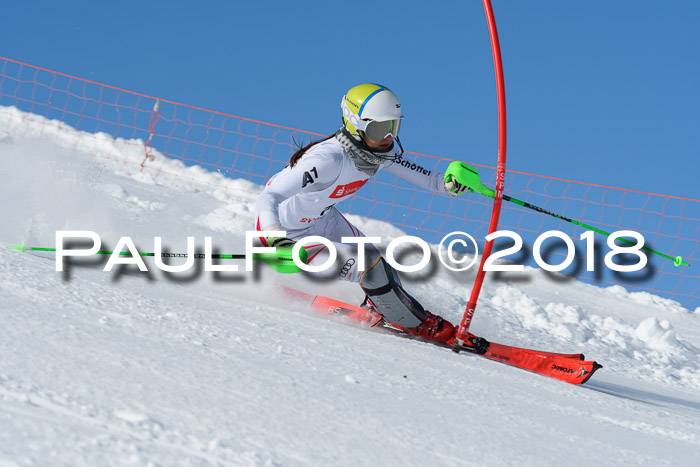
(203, 368)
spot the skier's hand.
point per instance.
(460, 177)
(278, 242)
(454, 187)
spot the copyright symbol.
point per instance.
(458, 240)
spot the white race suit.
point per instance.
(303, 199)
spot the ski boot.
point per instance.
(373, 316)
(434, 327)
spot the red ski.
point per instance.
(571, 368)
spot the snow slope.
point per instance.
(199, 368)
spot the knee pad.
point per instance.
(382, 284)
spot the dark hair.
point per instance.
(301, 150)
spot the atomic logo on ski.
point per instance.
(562, 369)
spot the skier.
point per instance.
(301, 200)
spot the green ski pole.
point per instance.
(678, 261)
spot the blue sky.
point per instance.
(600, 92)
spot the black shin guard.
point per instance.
(382, 284)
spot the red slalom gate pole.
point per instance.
(463, 328)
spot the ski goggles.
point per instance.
(377, 131)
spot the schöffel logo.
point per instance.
(346, 190)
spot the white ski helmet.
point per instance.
(373, 110)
